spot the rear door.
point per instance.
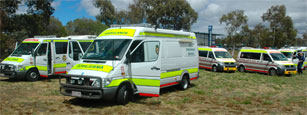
(145, 68)
(74, 54)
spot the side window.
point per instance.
(74, 51)
(266, 57)
(256, 56)
(42, 50)
(61, 47)
(203, 53)
(211, 55)
(146, 52)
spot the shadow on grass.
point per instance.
(108, 103)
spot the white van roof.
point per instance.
(39, 39)
(131, 32)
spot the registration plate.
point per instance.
(76, 93)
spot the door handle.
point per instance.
(68, 63)
(155, 68)
(45, 59)
(57, 58)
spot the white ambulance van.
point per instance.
(125, 61)
(267, 61)
(289, 52)
(44, 56)
(216, 59)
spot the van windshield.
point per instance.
(279, 57)
(287, 54)
(24, 49)
(222, 54)
(107, 49)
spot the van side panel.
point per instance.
(178, 58)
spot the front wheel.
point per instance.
(123, 96)
(214, 68)
(241, 69)
(272, 72)
(32, 75)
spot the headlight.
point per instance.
(221, 63)
(106, 81)
(20, 68)
(281, 66)
(96, 83)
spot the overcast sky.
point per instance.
(209, 11)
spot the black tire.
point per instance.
(123, 95)
(272, 72)
(32, 75)
(214, 68)
(184, 84)
(241, 68)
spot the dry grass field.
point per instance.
(212, 93)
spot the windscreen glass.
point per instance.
(220, 54)
(107, 49)
(24, 49)
(287, 54)
(279, 57)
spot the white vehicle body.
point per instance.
(216, 59)
(141, 61)
(272, 62)
(291, 54)
(43, 57)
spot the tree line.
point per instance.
(276, 30)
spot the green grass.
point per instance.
(212, 93)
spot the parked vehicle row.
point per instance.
(124, 61)
(269, 61)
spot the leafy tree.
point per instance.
(85, 26)
(234, 21)
(55, 27)
(281, 26)
(262, 35)
(171, 14)
(107, 11)
(7, 8)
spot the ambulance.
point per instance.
(268, 61)
(124, 61)
(216, 59)
(291, 54)
(43, 56)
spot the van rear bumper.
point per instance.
(86, 91)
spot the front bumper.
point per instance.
(286, 71)
(226, 68)
(85, 91)
(9, 71)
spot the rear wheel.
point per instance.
(32, 75)
(242, 68)
(184, 84)
(272, 72)
(123, 95)
(214, 68)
